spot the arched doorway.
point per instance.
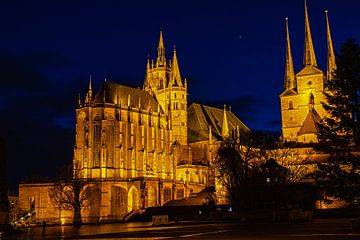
(133, 199)
(118, 202)
(151, 197)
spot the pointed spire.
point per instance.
(225, 126)
(89, 93)
(175, 72)
(331, 64)
(147, 73)
(161, 61)
(290, 82)
(309, 53)
(79, 101)
(148, 65)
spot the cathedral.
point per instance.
(139, 147)
(301, 100)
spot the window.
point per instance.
(291, 105)
(122, 158)
(110, 144)
(97, 143)
(311, 99)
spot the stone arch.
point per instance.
(133, 199)
(92, 212)
(119, 200)
(151, 197)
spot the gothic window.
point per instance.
(121, 158)
(142, 128)
(97, 143)
(161, 83)
(291, 105)
(152, 137)
(311, 100)
(153, 162)
(121, 132)
(162, 138)
(144, 161)
(110, 144)
(133, 159)
(174, 95)
(132, 133)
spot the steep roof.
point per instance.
(201, 117)
(310, 123)
(309, 70)
(115, 92)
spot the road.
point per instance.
(339, 229)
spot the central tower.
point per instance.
(163, 81)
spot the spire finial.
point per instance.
(289, 79)
(79, 101)
(175, 72)
(225, 126)
(309, 53)
(331, 64)
(90, 85)
(161, 61)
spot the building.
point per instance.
(139, 147)
(301, 107)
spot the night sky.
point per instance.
(231, 52)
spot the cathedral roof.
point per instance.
(288, 92)
(309, 70)
(201, 118)
(112, 92)
(310, 123)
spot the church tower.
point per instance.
(163, 80)
(301, 108)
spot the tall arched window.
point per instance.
(110, 143)
(291, 105)
(311, 100)
(132, 159)
(122, 158)
(97, 142)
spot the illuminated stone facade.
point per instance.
(301, 107)
(139, 148)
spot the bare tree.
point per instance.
(72, 194)
(236, 169)
(297, 163)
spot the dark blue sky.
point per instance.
(231, 52)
